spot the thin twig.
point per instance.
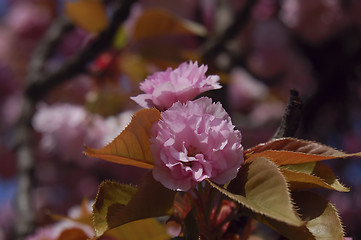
(46, 47)
(291, 118)
(216, 43)
(77, 65)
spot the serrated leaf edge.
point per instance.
(97, 234)
(293, 205)
(251, 150)
(313, 175)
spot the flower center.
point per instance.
(192, 151)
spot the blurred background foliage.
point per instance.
(261, 49)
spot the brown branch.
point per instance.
(291, 118)
(39, 84)
(26, 220)
(47, 46)
(77, 65)
(216, 43)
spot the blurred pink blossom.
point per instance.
(267, 112)
(28, 20)
(313, 20)
(227, 208)
(10, 110)
(184, 83)
(264, 9)
(245, 91)
(65, 128)
(195, 141)
(8, 83)
(173, 228)
(270, 49)
(74, 41)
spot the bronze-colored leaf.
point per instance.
(281, 157)
(301, 181)
(131, 146)
(87, 14)
(159, 23)
(109, 193)
(321, 216)
(117, 204)
(261, 187)
(311, 175)
(295, 145)
(322, 221)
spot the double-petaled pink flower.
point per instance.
(184, 83)
(195, 141)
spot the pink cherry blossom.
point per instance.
(195, 141)
(65, 128)
(184, 83)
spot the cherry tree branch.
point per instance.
(26, 220)
(39, 83)
(77, 65)
(217, 42)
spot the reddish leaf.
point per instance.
(295, 145)
(281, 157)
(73, 234)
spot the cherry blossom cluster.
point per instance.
(195, 139)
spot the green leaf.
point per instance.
(121, 38)
(307, 168)
(117, 204)
(311, 175)
(131, 146)
(261, 187)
